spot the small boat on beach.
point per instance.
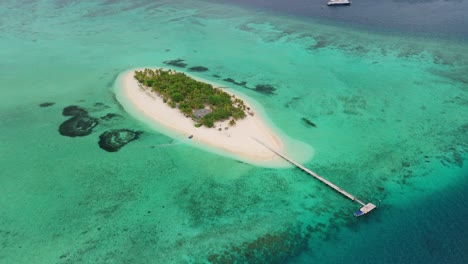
(338, 2)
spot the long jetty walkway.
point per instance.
(364, 210)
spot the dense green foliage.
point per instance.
(179, 90)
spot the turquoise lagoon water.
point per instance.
(391, 126)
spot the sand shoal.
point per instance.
(238, 141)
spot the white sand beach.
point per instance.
(236, 141)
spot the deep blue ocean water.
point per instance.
(433, 18)
(384, 81)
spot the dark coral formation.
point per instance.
(292, 102)
(100, 106)
(230, 80)
(115, 139)
(353, 105)
(81, 124)
(74, 110)
(319, 44)
(46, 104)
(270, 248)
(308, 122)
(265, 89)
(321, 41)
(110, 116)
(78, 126)
(177, 62)
(198, 69)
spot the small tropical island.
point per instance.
(197, 112)
(200, 101)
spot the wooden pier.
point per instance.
(366, 208)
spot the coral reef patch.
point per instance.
(265, 89)
(177, 63)
(230, 80)
(115, 139)
(276, 247)
(308, 122)
(198, 69)
(78, 126)
(46, 104)
(111, 116)
(74, 110)
(81, 124)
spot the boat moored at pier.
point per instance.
(365, 209)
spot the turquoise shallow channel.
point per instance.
(391, 127)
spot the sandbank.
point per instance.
(237, 141)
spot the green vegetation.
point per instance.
(179, 90)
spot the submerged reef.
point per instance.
(177, 62)
(265, 89)
(78, 126)
(198, 69)
(277, 247)
(46, 104)
(81, 124)
(308, 122)
(73, 110)
(100, 106)
(110, 116)
(230, 80)
(115, 139)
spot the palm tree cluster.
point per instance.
(182, 92)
